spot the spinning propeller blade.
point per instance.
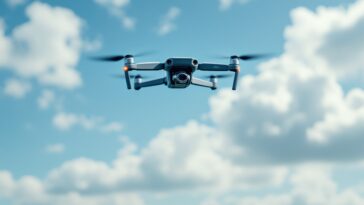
(131, 76)
(114, 58)
(217, 76)
(251, 56)
(246, 57)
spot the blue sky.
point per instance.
(293, 126)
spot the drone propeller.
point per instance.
(246, 57)
(251, 56)
(115, 58)
(109, 58)
(217, 76)
(130, 76)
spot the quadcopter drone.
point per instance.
(179, 72)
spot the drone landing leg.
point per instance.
(150, 83)
(203, 83)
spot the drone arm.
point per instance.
(159, 81)
(147, 66)
(213, 67)
(203, 83)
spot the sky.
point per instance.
(292, 134)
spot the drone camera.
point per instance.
(181, 78)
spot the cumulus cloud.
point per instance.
(309, 185)
(345, 121)
(55, 148)
(167, 24)
(46, 47)
(176, 161)
(17, 88)
(116, 8)
(295, 109)
(14, 3)
(112, 127)
(92, 45)
(31, 191)
(173, 161)
(46, 99)
(226, 4)
(186, 155)
(66, 121)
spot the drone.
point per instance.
(179, 72)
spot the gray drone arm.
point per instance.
(147, 66)
(213, 67)
(203, 83)
(159, 81)
(152, 66)
(222, 67)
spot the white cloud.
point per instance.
(167, 24)
(6, 184)
(310, 185)
(112, 127)
(345, 121)
(66, 121)
(46, 47)
(226, 4)
(17, 88)
(14, 3)
(189, 158)
(31, 191)
(55, 148)
(4, 43)
(334, 44)
(46, 99)
(92, 45)
(116, 8)
(295, 110)
(175, 160)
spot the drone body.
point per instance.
(179, 72)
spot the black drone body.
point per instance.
(179, 72)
